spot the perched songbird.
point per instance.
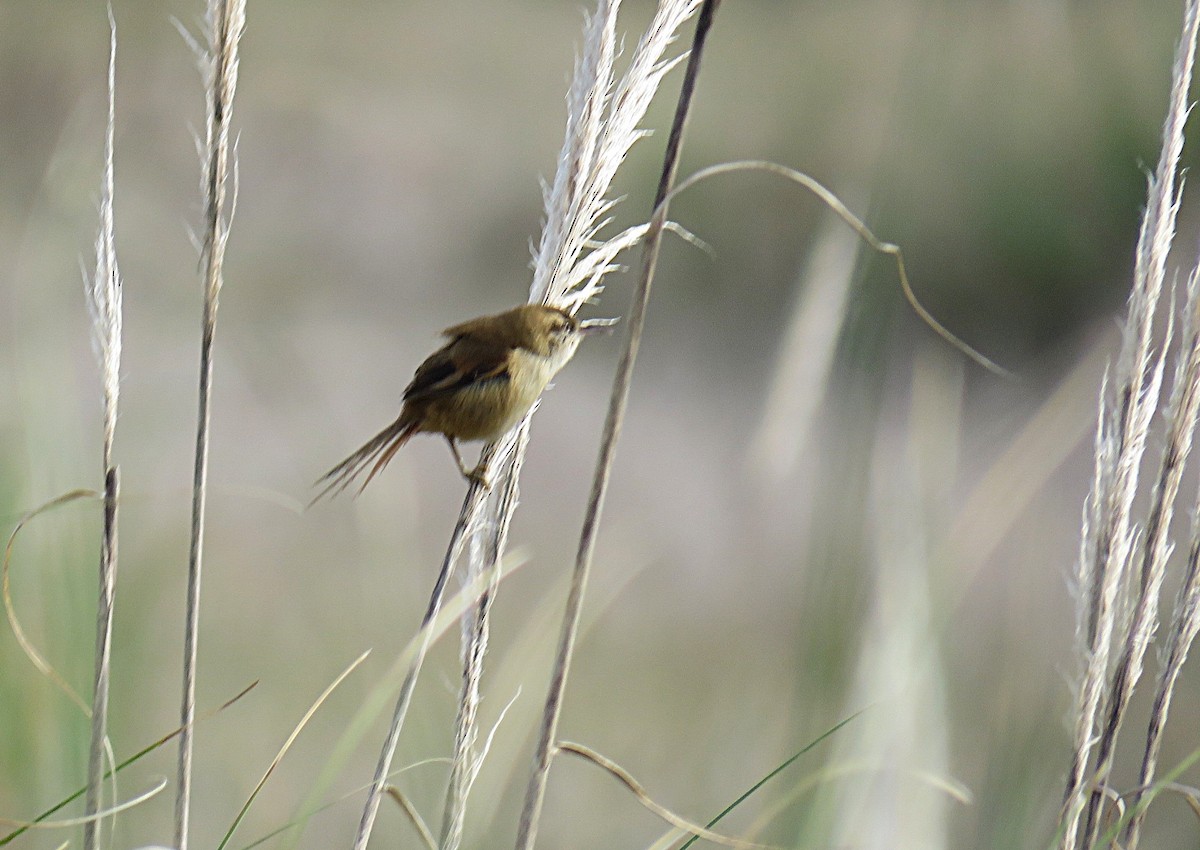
(476, 387)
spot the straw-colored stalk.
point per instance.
(488, 541)
(470, 509)
(1113, 600)
(602, 124)
(225, 22)
(548, 732)
(104, 303)
(1181, 416)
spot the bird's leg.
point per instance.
(475, 475)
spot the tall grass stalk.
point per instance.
(570, 264)
(104, 303)
(488, 541)
(1118, 606)
(470, 510)
(225, 22)
(547, 735)
(1156, 548)
(603, 118)
(474, 624)
(1186, 619)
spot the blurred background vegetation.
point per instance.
(906, 548)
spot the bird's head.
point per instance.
(552, 332)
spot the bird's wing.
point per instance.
(463, 362)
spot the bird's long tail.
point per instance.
(375, 453)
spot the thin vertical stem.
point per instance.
(470, 509)
(226, 21)
(192, 622)
(104, 619)
(466, 760)
(104, 302)
(536, 792)
(1109, 530)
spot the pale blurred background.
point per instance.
(784, 543)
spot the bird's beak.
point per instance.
(593, 326)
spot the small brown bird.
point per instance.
(476, 387)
